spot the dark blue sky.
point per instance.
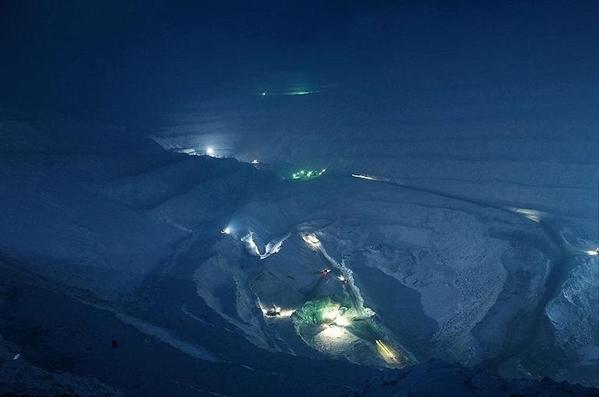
(138, 63)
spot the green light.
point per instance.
(307, 174)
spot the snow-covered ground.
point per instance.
(456, 279)
(540, 174)
(476, 262)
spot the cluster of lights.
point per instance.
(307, 174)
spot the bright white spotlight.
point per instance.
(210, 151)
(227, 230)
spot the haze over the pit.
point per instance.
(229, 72)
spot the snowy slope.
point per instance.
(427, 264)
(545, 169)
(121, 238)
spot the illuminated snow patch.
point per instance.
(367, 177)
(342, 321)
(276, 312)
(301, 92)
(334, 340)
(271, 248)
(533, 215)
(329, 313)
(370, 177)
(311, 241)
(189, 152)
(286, 313)
(325, 312)
(250, 244)
(228, 230)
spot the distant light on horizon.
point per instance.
(210, 151)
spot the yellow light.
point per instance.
(280, 313)
(386, 352)
(533, 215)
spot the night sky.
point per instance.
(153, 66)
